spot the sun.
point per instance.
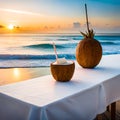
(11, 26)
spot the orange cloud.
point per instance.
(1, 26)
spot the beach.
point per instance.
(12, 75)
(38, 38)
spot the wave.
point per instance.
(43, 46)
(32, 57)
(109, 43)
(63, 39)
(27, 61)
(77, 38)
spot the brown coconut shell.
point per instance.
(88, 52)
(62, 73)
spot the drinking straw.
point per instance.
(55, 51)
(87, 18)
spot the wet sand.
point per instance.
(12, 75)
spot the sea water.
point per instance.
(36, 50)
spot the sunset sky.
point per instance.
(58, 16)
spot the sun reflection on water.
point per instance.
(16, 72)
(13, 75)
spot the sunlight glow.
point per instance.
(11, 26)
(16, 72)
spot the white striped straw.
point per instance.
(55, 51)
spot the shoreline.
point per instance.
(12, 75)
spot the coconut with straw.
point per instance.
(88, 50)
(62, 70)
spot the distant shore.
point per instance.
(11, 75)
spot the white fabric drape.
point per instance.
(82, 98)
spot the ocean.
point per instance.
(36, 50)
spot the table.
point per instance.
(43, 98)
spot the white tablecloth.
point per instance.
(85, 96)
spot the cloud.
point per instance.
(1, 26)
(16, 27)
(45, 27)
(76, 25)
(19, 11)
(107, 24)
(85, 24)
